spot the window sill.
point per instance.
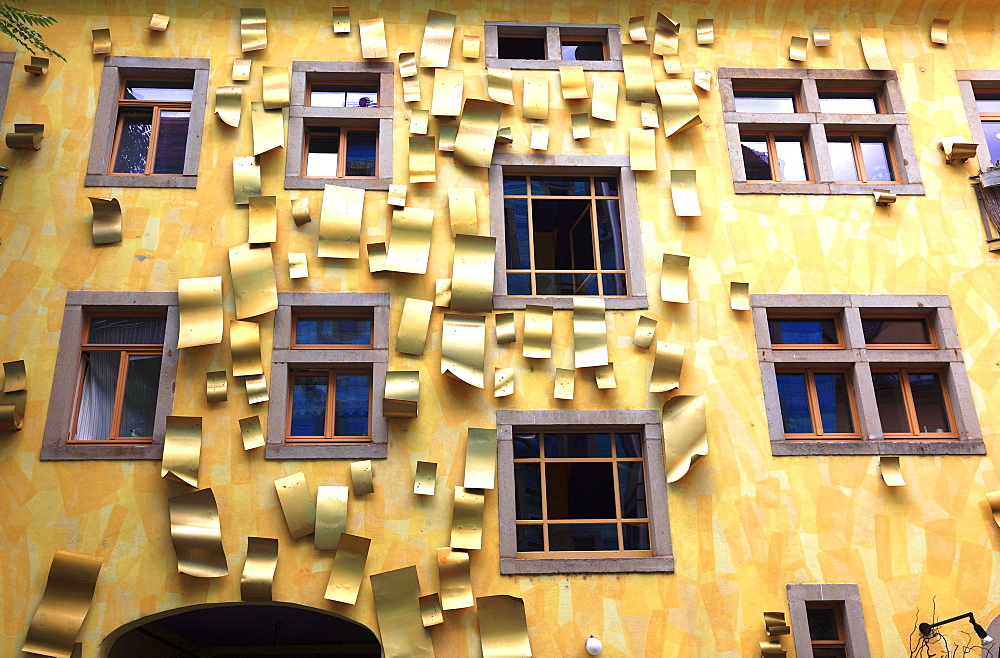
(325, 451)
(901, 189)
(886, 447)
(79, 452)
(301, 183)
(565, 302)
(515, 566)
(108, 180)
(553, 64)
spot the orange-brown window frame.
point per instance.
(345, 315)
(839, 644)
(130, 106)
(341, 149)
(910, 407)
(835, 317)
(932, 345)
(331, 401)
(771, 137)
(814, 411)
(859, 161)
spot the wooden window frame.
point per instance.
(344, 314)
(928, 325)
(553, 35)
(859, 160)
(771, 137)
(852, 619)
(342, 131)
(910, 406)
(127, 107)
(331, 402)
(837, 323)
(814, 409)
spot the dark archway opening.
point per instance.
(275, 630)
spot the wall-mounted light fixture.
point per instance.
(593, 646)
(925, 629)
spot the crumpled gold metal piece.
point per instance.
(402, 390)
(821, 36)
(423, 159)
(425, 478)
(674, 277)
(463, 348)
(341, 20)
(256, 387)
(665, 38)
(216, 386)
(503, 382)
(331, 516)
(15, 376)
(200, 304)
(268, 128)
(410, 240)
(500, 85)
(797, 49)
(254, 285)
(373, 38)
(411, 336)
(397, 609)
(604, 376)
(472, 273)
(684, 192)
(244, 347)
(889, 467)
(739, 295)
(873, 48)
(573, 82)
(439, 31)
(229, 104)
(462, 211)
(666, 375)
(637, 29)
(102, 40)
(471, 45)
(196, 533)
(340, 222)
(639, 82)
(241, 69)
(362, 482)
(446, 98)
(939, 31)
(477, 133)
(253, 29)
(539, 137)
(297, 504)
(581, 125)
(430, 610)
(503, 626)
(262, 224)
(258, 570)
(159, 23)
(397, 195)
(298, 266)
(69, 590)
(246, 179)
(252, 433)
(535, 103)
(418, 121)
(480, 459)
(685, 434)
(182, 449)
(467, 519)
(107, 223)
(642, 149)
(680, 105)
(537, 332)
(348, 569)
(706, 31)
(590, 332)
(26, 136)
(564, 384)
(38, 66)
(454, 579)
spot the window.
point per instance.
(338, 131)
(827, 621)
(115, 370)
(540, 46)
(826, 629)
(587, 492)
(864, 375)
(330, 357)
(981, 97)
(147, 132)
(566, 232)
(807, 131)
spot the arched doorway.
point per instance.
(272, 629)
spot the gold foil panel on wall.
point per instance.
(362, 482)
(993, 498)
(505, 328)
(107, 221)
(666, 375)
(216, 386)
(642, 149)
(680, 106)
(891, 473)
(276, 93)
(480, 459)
(535, 101)
(463, 348)
(467, 519)
(472, 273)
(296, 504)
(348, 569)
(340, 222)
(477, 133)
(341, 20)
(397, 196)
(739, 295)
(268, 128)
(665, 38)
(407, 65)
(430, 610)
(411, 90)
(564, 384)
(253, 29)
(411, 335)
(637, 29)
(423, 160)
(883, 197)
(38, 66)
(244, 345)
(11, 417)
(447, 133)
(298, 266)
(252, 433)
(703, 79)
(648, 115)
(454, 579)
(425, 478)
(706, 31)
(500, 85)
(646, 327)
(685, 433)
(200, 302)
(573, 82)
(438, 35)
(376, 256)
(253, 280)
(539, 137)
(639, 81)
(26, 136)
(674, 278)
(537, 332)
(263, 220)
(471, 45)
(331, 516)
(102, 40)
(821, 36)
(397, 609)
(256, 387)
(604, 376)
(503, 627)
(581, 125)
(939, 32)
(590, 333)
(442, 292)
(229, 104)
(446, 99)
(684, 192)
(410, 240)
(503, 382)
(462, 211)
(797, 49)
(775, 624)
(241, 69)
(771, 648)
(402, 389)
(873, 47)
(15, 377)
(259, 568)
(373, 38)
(69, 590)
(672, 65)
(246, 179)
(300, 211)
(182, 449)
(197, 534)
(158, 23)
(418, 122)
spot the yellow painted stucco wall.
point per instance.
(744, 524)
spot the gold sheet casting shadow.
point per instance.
(69, 590)
(197, 534)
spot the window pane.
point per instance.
(563, 234)
(580, 490)
(171, 143)
(606, 186)
(518, 243)
(526, 446)
(97, 396)
(859, 105)
(529, 538)
(889, 397)
(528, 490)
(308, 405)
(794, 398)
(362, 99)
(361, 148)
(765, 104)
(834, 402)
(928, 400)
(114, 330)
(609, 234)
(559, 186)
(895, 331)
(515, 185)
(791, 158)
(614, 285)
(878, 164)
(583, 537)
(842, 160)
(352, 404)
(319, 98)
(992, 130)
(526, 47)
(822, 624)
(636, 536)
(158, 90)
(519, 284)
(632, 490)
(582, 51)
(628, 444)
(756, 159)
(569, 445)
(342, 96)
(820, 331)
(566, 284)
(322, 157)
(142, 380)
(988, 105)
(333, 331)
(133, 143)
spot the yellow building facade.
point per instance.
(745, 522)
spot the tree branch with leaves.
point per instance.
(20, 25)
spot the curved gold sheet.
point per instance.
(680, 105)
(642, 149)
(472, 273)
(107, 222)
(297, 504)
(665, 37)
(27, 136)
(939, 31)
(258, 570)
(873, 48)
(471, 45)
(462, 211)
(256, 387)
(348, 569)
(10, 417)
(253, 29)
(300, 211)
(637, 29)
(739, 295)
(467, 519)
(447, 134)
(376, 256)
(331, 516)
(684, 192)
(254, 285)
(425, 478)
(446, 99)
(564, 384)
(537, 342)
(430, 610)
(674, 278)
(158, 23)
(539, 137)
(373, 44)
(705, 30)
(397, 195)
(397, 609)
(500, 85)
(439, 32)
(252, 432)
(821, 36)
(407, 65)
(503, 382)
(422, 160)
(503, 626)
(229, 104)
(412, 332)
(15, 376)
(216, 386)
(463, 347)
(200, 304)
(276, 92)
(477, 133)
(102, 40)
(573, 82)
(298, 266)
(506, 328)
(38, 66)
(993, 498)
(410, 240)
(581, 125)
(666, 374)
(775, 624)
(362, 478)
(889, 467)
(454, 579)
(535, 101)
(182, 449)
(703, 79)
(69, 590)
(480, 458)
(244, 346)
(246, 179)
(402, 390)
(797, 49)
(672, 65)
(648, 116)
(241, 69)
(590, 332)
(418, 121)
(340, 222)
(685, 434)
(268, 128)
(196, 533)
(645, 329)
(341, 20)
(411, 90)
(604, 376)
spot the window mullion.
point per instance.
(116, 413)
(859, 160)
(772, 155)
(595, 236)
(531, 235)
(544, 487)
(618, 497)
(329, 429)
(813, 397)
(154, 134)
(908, 404)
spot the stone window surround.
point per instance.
(855, 635)
(6, 71)
(612, 34)
(989, 81)
(569, 165)
(646, 421)
(300, 115)
(859, 360)
(106, 119)
(283, 358)
(65, 377)
(814, 124)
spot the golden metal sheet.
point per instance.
(253, 29)
(680, 105)
(246, 179)
(535, 103)
(503, 382)
(537, 332)
(705, 31)
(739, 295)
(300, 211)
(216, 386)
(463, 347)
(241, 69)
(252, 433)
(480, 458)
(200, 303)
(102, 41)
(703, 79)
(69, 590)
(672, 65)
(590, 332)
(259, 568)
(402, 390)
(674, 271)
(462, 211)
(503, 626)
(472, 273)
(182, 449)
(297, 504)
(666, 375)
(407, 65)
(637, 29)
(107, 221)
(573, 82)
(439, 31)
(477, 133)
(158, 23)
(15, 377)
(471, 45)
(10, 417)
(341, 20)
(229, 104)
(447, 133)
(642, 149)
(957, 149)
(262, 224)
(775, 624)
(376, 256)
(564, 384)
(645, 329)
(821, 36)
(348, 569)
(454, 579)
(425, 478)
(361, 478)
(256, 387)
(442, 292)
(423, 159)
(467, 519)
(993, 498)
(446, 97)
(939, 31)
(797, 49)
(581, 125)
(883, 197)
(873, 48)
(26, 136)
(397, 196)
(410, 240)
(771, 648)
(411, 90)
(38, 66)
(331, 516)
(397, 609)
(196, 533)
(505, 328)
(684, 192)
(639, 82)
(244, 346)
(605, 377)
(684, 430)
(298, 266)
(340, 222)
(891, 473)
(500, 85)
(665, 37)
(649, 116)
(430, 610)
(418, 121)
(373, 44)
(268, 128)
(539, 137)
(411, 336)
